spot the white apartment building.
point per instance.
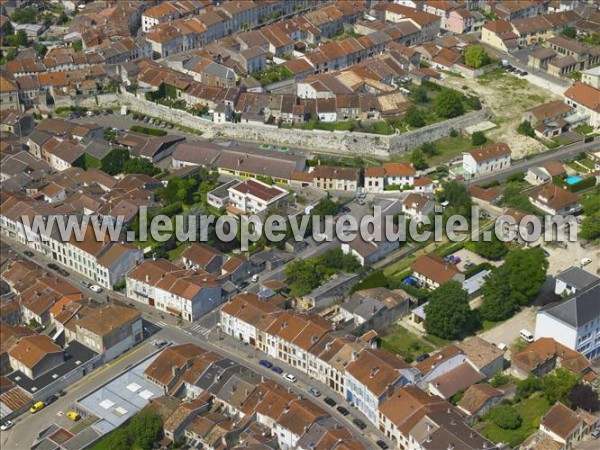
(486, 159)
(186, 293)
(574, 322)
(253, 196)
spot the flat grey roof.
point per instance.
(121, 398)
(576, 277)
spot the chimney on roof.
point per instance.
(354, 356)
(374, 371)
(450, 446)
(328, 346)
(147, 278)
(428, 438)
(174, 370)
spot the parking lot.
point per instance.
(561, 259)
(508, 332)
(467, 257)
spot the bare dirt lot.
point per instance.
(508, 96)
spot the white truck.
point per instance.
(123, 110)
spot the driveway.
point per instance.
(508, 332)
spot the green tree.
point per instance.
(569, 32)
(145, 429)
(494, 249)
(476, 56)
(526, 270)
(24, 15)
(62, 19)
(119, 440)
(419, 95)
(430, 149)
(414, 117)
(448, 104)
(558, 385)
(529, 386)
(448, 312)
(21, 38)
(590, 227)
(78, 46)
(41, 50)
(418, 159)
(526, 129)
(140, 166)
(500, 379)
(478, 138)
(506, 417)
(325, 207)
(114, 162)
(498, 303)
(8, 28)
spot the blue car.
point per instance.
(276, 369)
(264, 362)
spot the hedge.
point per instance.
(471, 271)
(149, 131)
(584, 184)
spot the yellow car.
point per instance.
(36, 407)
(73, 416)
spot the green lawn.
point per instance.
(530, 410)
(448, 149)
(401, 341)
(584, 129)
(176, 252)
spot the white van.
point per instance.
(526, 335)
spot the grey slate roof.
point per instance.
(578, 278)
(578, 310)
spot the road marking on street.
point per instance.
(200, 329)
(162, 324)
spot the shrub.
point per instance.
(506, 417)
(478, 138)
(149, 131)
(526, 129)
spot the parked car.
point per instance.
(51, 399)
(343, 411)
(585, 261)
(423, 357)
(37, 406)
(526, 335)
(469, 265)
(265, 363)
(331, 402)
(277, 369)
(63, 272)
(291, 378)
(160, 343)
(74, 416)
(6, 425)
(314, 391)
(85, 283)
(524, 73)
(360, 424)
(96, 288)
(53, 266)
(146, 119)
(382, 444)
(28, 253)
(595, 434)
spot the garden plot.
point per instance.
(508, 96)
